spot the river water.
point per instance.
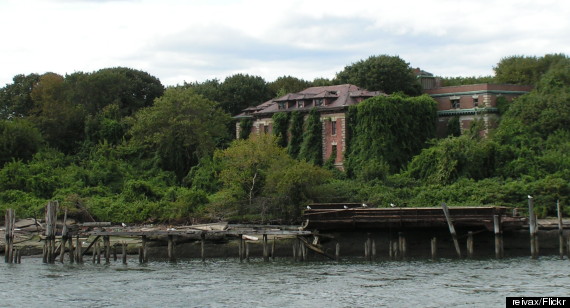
(282, 283)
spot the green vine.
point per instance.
(312, 146)
(245, 126)
(296, 133)
(280, 125)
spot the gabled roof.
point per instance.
(338, 96)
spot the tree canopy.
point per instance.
(385, 73)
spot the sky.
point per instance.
(181, 41)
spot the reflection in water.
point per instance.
(283, 283)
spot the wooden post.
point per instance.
(402, 245)
(434, 248)
(532, 229)
(395, 250)
(203, 246)
(390, 252)
(71, 250)
(98, 249)
(451, 229)
(368, 247)
(107, 247)
(470, 244)
(64, 237)
(171, 255)
(498, 236)
(337, 252)
(141, 254)
(79, 252)
(145, 248)
(10, 220)
(241, 248)
(115, 252)
(124, 252)
(295, 244)
(568, 247)
(265, 249)
(560, 229)
(273, 248)
(247, 251)
(373, 250)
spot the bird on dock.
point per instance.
(124, 225)
(345, 207)
(392, 205)
(364, 205)
(308, 207)
(529, 196)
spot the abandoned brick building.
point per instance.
(465, 103)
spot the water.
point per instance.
(282, 283)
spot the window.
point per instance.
(266, 129)
(475, 101)
(333, 127)
(455, 103)
(318, 102)
(300, 104)
(281, 105)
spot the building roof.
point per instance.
(337, 96)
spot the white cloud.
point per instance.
(177, 40)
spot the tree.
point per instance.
(526, 70)
(210, 89)
(287, 84)
(15, 98)
(312, 146)
(19, 139)
(127, 88)
(180, 128)
(381, 73)
(241, 91)
(60, 121)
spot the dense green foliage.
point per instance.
(280, 127)
(386, 132)
(459, 81)
(296, 133)
(245, 126)
(311, 148)
(385, 73)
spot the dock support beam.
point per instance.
(532, 229)
(171, 252)
(499, 250)
(470, 245)
(560, 229)
(9, 224)
(434, 248)
(451, 229)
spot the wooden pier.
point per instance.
(356, 216)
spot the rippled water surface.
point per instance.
(282, 283)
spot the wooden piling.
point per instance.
(498, 236)
(390, 252)
(373, 250)
(98, 249)
(203, 246)
(337, 252)
(568, 247)
(10, 220)
(265, 249)
(145, 249)
(124, 252)
(273, 248)
(115, 252)
(295, 244)
(560, 229)
(64, 237)
(451, 229)
(141, 254)
(470, 244)
(241, 248)
(532, 229)
(107, 249)
(402, 245)
(247, 251)
(434, 248)
(79, 252)
(171, 254)
(71, 250)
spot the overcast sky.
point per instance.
(179, 41)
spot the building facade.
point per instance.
(463, 103)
